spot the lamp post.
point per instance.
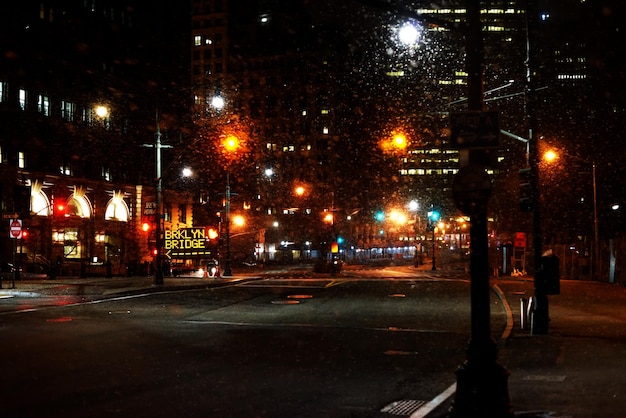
(227, 269)
(231, 146)
(551, 155)
(158, 258)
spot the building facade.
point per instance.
(76, 109)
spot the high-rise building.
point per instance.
(324, 84)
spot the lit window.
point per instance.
(325, 111)
(22, 98)
(325, 130)
(3, 91)
(43, 105)
(67, 110)
(21, 160)
(197, 40)
(106, 173)
(65, 169)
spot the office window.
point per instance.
(43, 105)
(67, 110)
(65, 169)
(106, 173)
(23, 99)
(21, 160)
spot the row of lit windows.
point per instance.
(428, 171)
(200, 40)
(65, 168)
(67, 109)
(571, 77)
(462, 11)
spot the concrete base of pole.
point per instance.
(481, 391)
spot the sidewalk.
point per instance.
(578, 369)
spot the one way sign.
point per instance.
(474, 129)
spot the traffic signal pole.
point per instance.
(540, 318)
(482, 384)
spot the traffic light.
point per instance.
(59, 208)
(433, 218)
(526, 198)
(25, 233)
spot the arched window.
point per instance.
(117, 209)
(78, 206)
(40, 204)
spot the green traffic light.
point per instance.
(433, 215)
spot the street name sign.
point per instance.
(474, 130)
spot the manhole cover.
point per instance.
(405, 407)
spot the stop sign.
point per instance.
(16, 228)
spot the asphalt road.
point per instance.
(267, 348)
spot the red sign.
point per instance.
(16, 228)
(520, 240)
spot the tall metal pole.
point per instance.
(595, 265)
(227, 268)
(434, 267)
(540, 319)
(158, 268)
(482, 384)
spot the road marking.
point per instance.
(426, 409)
(544, 378)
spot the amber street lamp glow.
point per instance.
(231, 143)
(102, 111)
(399, 141)
(239, 220)
(550, 156)
(299, 190)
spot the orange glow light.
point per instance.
(550, 156)
(231, 143)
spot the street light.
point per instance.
(231, 145)
(551, 156)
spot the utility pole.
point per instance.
(482, 384)
(158, 258)
(540, 318)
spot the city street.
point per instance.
(266, 348)
(367, 343)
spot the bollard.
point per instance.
(523, 313)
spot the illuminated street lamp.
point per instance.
(551, 156)
(102, 112)
(231, 145)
